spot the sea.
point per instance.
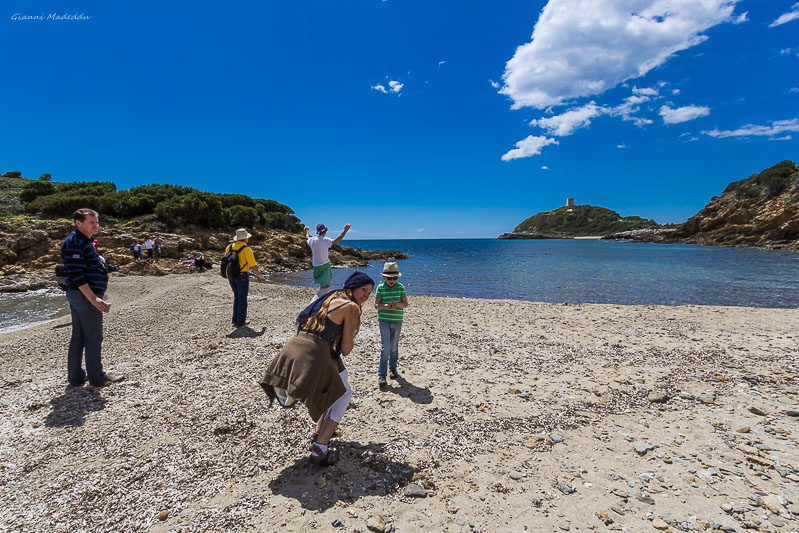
(557, 270)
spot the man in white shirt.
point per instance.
(320, 245)
(148, 245)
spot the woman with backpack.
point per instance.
(243, 261)
(309, 368)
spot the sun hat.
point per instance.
(321, 228)
(241, 234)
(390, 270)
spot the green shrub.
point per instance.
(202, 209)
(230, 200)
(281, 221)
(33, 189)
(241, 216)
(13, 174)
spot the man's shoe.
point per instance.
(245, 323)
(381, 382)
(393, 373)
(110, 379)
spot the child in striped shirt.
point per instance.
(390, 301)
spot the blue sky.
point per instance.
(408, 119)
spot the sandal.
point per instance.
(325, 459)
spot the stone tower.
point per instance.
(569, 202)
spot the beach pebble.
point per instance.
(564, 527)
(337, 523)
(757, 411)
(415, 491)
(658, 397)
(645, 498)
(792, 412)
(743, 429)
(556, 438)
(163, 515)
(776, 521)
(686, 395)
(516, 475)
(565, 489)
(642, 447)
(657, 523)
(376, 524)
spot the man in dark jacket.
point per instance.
(87, 282)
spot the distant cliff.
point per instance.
(577, 221)
(761, 210)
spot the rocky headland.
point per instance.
(760, 211)
(573, 221)
(29, 249)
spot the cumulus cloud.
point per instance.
(585, 47)
(646, 91)
(777, 127)
(528, 147)
(793, 14)
(629, 107)
(566, 123)
(683, 114)
(396, 86)
(379, 87)
(740, 19)
(494, 84)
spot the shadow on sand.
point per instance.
(245, 332)
(406, 389)
(72, 407)
(362, 470)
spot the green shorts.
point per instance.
(322, 274)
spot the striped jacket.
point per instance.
(82, 263)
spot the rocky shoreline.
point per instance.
(29, 250)
(509, 416)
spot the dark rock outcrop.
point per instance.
(29, 250)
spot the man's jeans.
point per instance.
(87, 337)
(389, 345)
(241, 286)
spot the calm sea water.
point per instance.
(586, 271)
(575, 271)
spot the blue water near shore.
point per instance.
(567, 270)
(586, 271)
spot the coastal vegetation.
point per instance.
(172, 205)
(582, 221)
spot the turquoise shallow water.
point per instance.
(575, 271)
(587, 271)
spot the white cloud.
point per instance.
(566, 123)
(675, 92)
(646, 91)
(793, 14)
(379, 87)
(441, 63)
(785, 51)
(793, 90)
(396, 86)
(585, 47)
(494, 84)
(528, 147)
(419, 230)
(777, 127)
(740, 19)
(784, 138)
(544, 167)
(683, 114)
(622, 145)
(630, 106)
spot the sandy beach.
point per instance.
(509, 416)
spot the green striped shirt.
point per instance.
(388, 295)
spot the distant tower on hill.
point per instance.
(569, 202)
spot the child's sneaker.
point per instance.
(381, 382)
(393, 374)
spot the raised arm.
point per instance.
(341, 237)
(307, 233)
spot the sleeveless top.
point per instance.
(331, 333)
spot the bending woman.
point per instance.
(309, 369)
